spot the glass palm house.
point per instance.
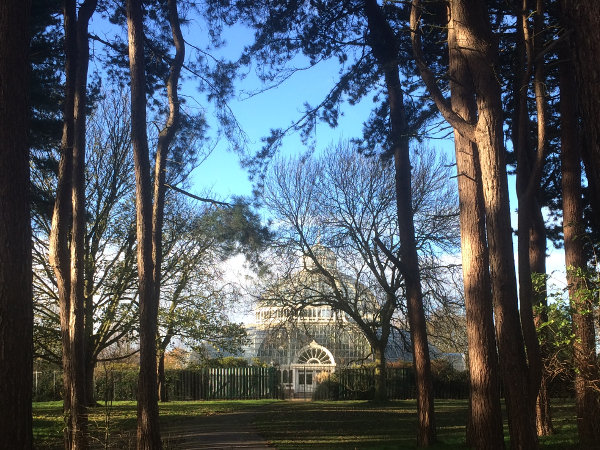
(296, 330)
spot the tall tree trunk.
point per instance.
(165, 139)
(476, 42)
(584, 346)
(537, 260)
(69, 216)
(529, 167)
(77, 284)
(584, 22)
(384, 44)
(59, 255)
(485, 415)
(148, 433)
(150, 214)
(16, 305)
(537, 241)
(90, 387)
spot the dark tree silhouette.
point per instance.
(16, 313)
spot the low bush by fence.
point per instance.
(359, 384)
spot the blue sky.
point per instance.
(278, 107)
(273, 108)
(222, 173)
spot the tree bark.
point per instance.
(148, 433)
(537, 260)
(16, 305)
(165, 139)
(78, 230)
(380, 373)
(90, 387)
(537, 239)
(529, 167)
(476, 42)
(475, 38)
(584, 347)
(385, 48)
(59, 255)
(584, 22)
(162, 380)
(485, 416)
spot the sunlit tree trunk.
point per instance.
(165, 138)
(67, 218)
(478, 47)
(59, 255)
(584, 344)
(16, 306)
(485, 421)
(150, 214)
(78, 230)
(475, 39)
(148, 433)
(537, 238)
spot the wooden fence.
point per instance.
(224, 383)
(200, 384)
(252, 383)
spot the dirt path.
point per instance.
(219, 431)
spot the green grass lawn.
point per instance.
(366, 425)
(114, 426)
(293, 425)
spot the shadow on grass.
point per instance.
(291, 425)
(356, 424)
(368, 425)
(114, 426)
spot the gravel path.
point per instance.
(218, 431)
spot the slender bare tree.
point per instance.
(384, 45)
(346, 202)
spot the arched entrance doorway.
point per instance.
(312, 363)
